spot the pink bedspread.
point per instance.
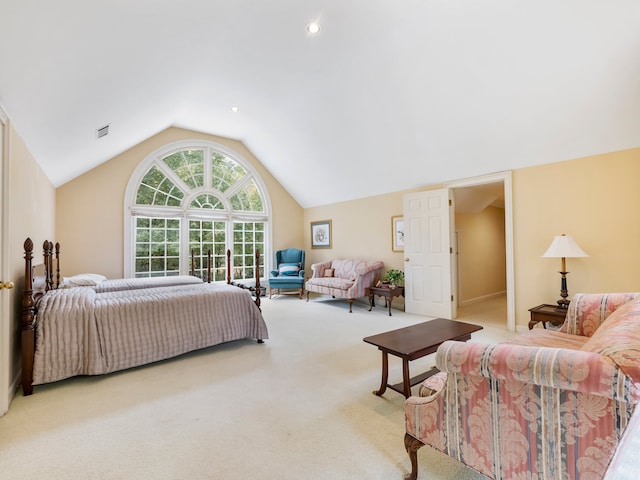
(82, 332)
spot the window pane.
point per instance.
(207, 201)
(248, 199)
(161, 256)
(157, 189)
(246, 242)
(225, 172)
(201, 235)
(189, 166)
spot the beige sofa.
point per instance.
(348, 278)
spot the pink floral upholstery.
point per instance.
(619, 340)
(526, 410)
(587, 311)
(351, 278)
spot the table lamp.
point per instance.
(564, 246)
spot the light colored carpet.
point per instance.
(298, 406)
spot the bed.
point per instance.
(86, 330)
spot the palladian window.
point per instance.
(190, 202)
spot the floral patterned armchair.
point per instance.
(544, 405)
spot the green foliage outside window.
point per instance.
(167, 184)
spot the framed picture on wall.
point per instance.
(321, 234)
(397, 233)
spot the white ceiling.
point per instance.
(391, 95)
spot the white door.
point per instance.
(427, 252)
(5, 324)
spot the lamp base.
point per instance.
(564, 293)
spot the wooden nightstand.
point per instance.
(387, 293)
(547, 313)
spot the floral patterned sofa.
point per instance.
(349, 278)
(544, 405)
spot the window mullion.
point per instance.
(177, 181)
(207, 168)
(185, 253)
(237, 186)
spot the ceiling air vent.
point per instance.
(102, 131)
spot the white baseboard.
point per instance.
(483, 298)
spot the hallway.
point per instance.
(490, 313)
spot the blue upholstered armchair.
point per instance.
(289, 272)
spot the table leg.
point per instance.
(372, 300)
(385, 375)
(389, 302)
(406, 382)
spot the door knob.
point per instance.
(406, 259)
(7, 285)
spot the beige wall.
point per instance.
(481, 254)
(360, 228)
(595, 199)
(90, 208)
(31, 214)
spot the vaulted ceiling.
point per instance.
(389, 95)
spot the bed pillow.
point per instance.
(83, 280)
(290, 269)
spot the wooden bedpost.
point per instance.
(27, 321)
(46, 253)
(258, 289)
(57, 264)
(193, 263)
(255, 289)
(208, 266)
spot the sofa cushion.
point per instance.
(347, 268)
(618, 338)
(541, 337)
(331, 282)
(288, 268)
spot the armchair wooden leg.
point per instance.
(308, 292)
(412, 445)
(350, 305)
(301, 292)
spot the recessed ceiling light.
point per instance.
(234, 108)
(313, 28)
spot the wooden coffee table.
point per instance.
(414, 342)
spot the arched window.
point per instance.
(195, 197)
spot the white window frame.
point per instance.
(227, 215)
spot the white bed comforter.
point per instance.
(82, 332)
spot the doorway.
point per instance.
(492, 300)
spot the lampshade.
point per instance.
(564, 246)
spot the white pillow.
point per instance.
(83, 280)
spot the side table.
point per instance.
(387, 293)
(553, 314)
